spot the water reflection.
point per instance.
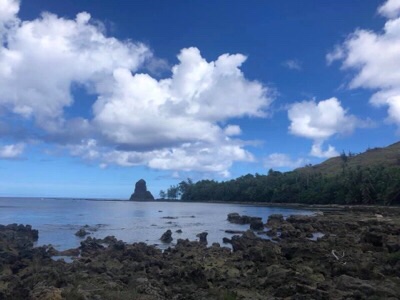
(58, 219)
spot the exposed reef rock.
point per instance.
(166, 237)
(255, 222)
(202, 238)
(81, 232)
(357, 258)
(141, 193)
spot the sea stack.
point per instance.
(141, 193)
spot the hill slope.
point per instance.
(388, 156)
(372, 177)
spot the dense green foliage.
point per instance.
(353, 185)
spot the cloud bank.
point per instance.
(41, 60)
(375, 59)
(180, 123)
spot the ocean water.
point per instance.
(58, 219)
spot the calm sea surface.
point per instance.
(58, 219)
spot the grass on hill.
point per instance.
(388, 156)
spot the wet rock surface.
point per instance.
(357, 258)
(166, 237)
(81, 232)
(238, 219)
(203, 238)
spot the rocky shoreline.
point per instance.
(357, 256)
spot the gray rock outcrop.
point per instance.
(203, 238)
(167, 237)
(141, 193)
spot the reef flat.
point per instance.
(341, 253)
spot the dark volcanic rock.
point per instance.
(393, 243)
(90, 246)
(81, 233)
(141, 193)
(226, 240)
(238, 219)
(234, 217)
(275, 220)
(374, 237)
(203, 238)
(300, 219)
(69, 252)
(15, 231)
(272, 233)
(256, 224)
(234, 231)
(348, 262)
(166, 237)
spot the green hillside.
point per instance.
(369, 178)
(388, 156)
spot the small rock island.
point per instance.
(141, 193)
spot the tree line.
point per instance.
(378, 185)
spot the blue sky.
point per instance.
(98, 94)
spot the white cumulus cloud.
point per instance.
(178, 123)
(8, 19)
(281, 160)
(42, 59)
(11, 151)
(173, 123)
(200, 157)
(320, 121)
(8, 10)
(317, 151)
(142, 111)
(390, 9)
(232, 130)
(375, 58)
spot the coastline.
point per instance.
(357, 257)
(292, 205)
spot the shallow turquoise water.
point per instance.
(58, 219)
